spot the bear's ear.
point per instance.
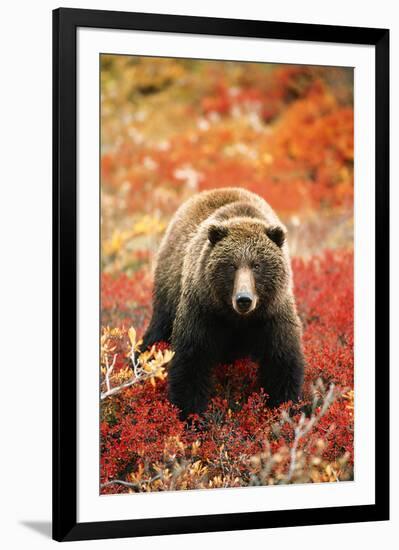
(276, 234)
(216, 233)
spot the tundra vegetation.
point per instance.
(170, 128)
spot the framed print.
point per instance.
(221, 302)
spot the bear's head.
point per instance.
(247, 269)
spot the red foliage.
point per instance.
(138, 422)
(124, 300)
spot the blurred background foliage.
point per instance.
(173, 127)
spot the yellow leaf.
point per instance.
(144, 357)
(147, 368)
(132, 336)
(138, 344)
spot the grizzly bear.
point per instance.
(223, 290)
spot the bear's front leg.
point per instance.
(282, 361)
(189, 381)
(196, 353)
(160, 327)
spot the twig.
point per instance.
(129, 484)
(109, 369)
(139, 370)
(304, 428)
(137, 376)
(117, 389)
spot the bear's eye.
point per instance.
(256, 267)
(232, 267)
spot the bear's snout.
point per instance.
(244, 292)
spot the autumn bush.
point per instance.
(171, 128)
(238, 437)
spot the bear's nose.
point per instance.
(244, 301)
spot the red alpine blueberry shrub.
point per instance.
(239, 440)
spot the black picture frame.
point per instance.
(65, 25)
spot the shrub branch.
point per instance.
(305, 426)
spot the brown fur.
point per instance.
(212, 238)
